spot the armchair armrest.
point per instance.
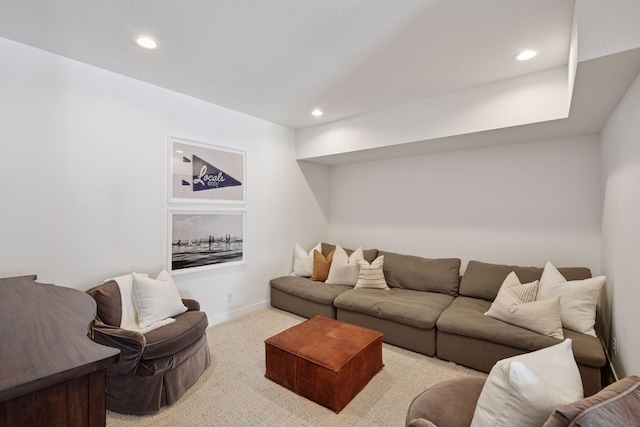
(192, 305)
(130, 343)
(421, 422)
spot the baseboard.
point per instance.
(607, 372)
(238, 312)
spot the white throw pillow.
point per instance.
(129, 315)
(542, 316)
(578, 298)
(344, 268)
(371, 276)
(303, 261)
(156, 299)
(524, 390)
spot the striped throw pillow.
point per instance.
(526, 292)
(514, 305)
(371, 275)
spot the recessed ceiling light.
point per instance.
(317, 112)
(525, 55)
(146, 42)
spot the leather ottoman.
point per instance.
(324, 360)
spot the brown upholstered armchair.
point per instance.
(155, 368)
(452, 403)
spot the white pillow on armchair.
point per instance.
(156, 299)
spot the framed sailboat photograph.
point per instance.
(205, 239)
(205, 173)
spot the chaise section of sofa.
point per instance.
(420, 290)
(467, 337)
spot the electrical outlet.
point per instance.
(614, 347)
(229, 298)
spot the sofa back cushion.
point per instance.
(483, 280)
(422, 274)
(109, 304)
(369, 254)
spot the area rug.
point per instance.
(234, 392)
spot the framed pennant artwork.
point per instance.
(204, 173)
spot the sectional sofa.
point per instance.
(431, 309)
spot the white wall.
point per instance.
(607, 27)
(621, 228)
(519, 204)
(83, 180)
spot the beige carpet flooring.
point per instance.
(234, 392)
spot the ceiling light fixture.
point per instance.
(146, 42)
(525, 55)
(317, 112)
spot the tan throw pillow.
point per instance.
(371, 276)
(541, 316)
(321, 266)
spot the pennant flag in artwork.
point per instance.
(207, 177)
(185, 182)
(185, 160)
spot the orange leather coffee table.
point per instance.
(324, 360)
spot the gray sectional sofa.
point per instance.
(432, 310)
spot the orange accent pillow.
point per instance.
(321, 266)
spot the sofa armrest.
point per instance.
(192, 305)
(130, 343)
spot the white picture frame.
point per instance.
(205, 239)
(205, 173)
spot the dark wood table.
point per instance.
(51, 372)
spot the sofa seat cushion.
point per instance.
(319, 292)
(465, 316)
(172, 338)
(414, 308)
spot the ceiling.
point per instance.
(600, 85)
(280, 59)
